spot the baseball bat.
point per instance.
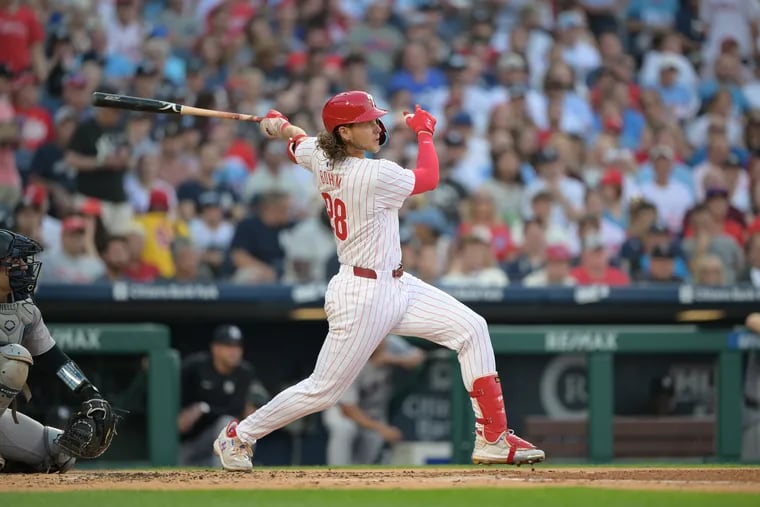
(116, 101)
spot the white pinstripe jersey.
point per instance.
(363, 197)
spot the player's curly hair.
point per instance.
(332, 145)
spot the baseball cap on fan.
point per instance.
(35, 196)
(228, 334)
(210, 198)
(158, 200)
(73, 223)
(558, 252)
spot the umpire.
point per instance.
(215, 390)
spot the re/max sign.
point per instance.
(77, 338)
(569, 341)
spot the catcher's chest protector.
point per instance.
(13, 320)
(21, 323)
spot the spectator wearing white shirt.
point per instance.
(611, 231)
(559, 85)
(669, 46)
(623, 161)
(468, 92)
(211, 234)
(144, 179)
(736, 20)
(737, 183)
(308, 247)
(680, 99)
(567, 193)
(665, 140)
(578, 47)
(474, 168)
(719, 114)
(124, 28)
(537, 20)
(275, 173)
(671, 198)
(474, 264)
(32, 218)
(77, 261)
(556, 272)
(512, 74)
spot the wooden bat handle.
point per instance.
(196, 111)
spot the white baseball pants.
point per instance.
(360, 313)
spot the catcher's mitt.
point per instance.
(89, 431)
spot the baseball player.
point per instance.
(358, 425)
(215, 386)
(371, 296)
(25, 444)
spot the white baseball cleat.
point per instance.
(509, 449)
(2, 462)
(235, 455)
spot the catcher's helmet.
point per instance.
(353, 107)
(22, 275)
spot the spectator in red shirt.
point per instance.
(483, 212)
(36, 123)
(137, 270)
(21, 39)
(594, 268)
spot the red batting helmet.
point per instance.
(352, 107)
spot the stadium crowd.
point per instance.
(581, 142)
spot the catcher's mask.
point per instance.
(352, 107)
(17, 256)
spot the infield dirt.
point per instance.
(738, 479)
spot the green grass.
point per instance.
(534, 497)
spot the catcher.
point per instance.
(25, 444)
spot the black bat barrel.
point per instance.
(116, 101)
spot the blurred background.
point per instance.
(600, 188)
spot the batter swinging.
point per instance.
(371, 296)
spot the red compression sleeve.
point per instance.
(426, 173)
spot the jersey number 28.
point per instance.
(336, 210)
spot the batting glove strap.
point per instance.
(292, 144)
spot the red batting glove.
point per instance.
(420, 121)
